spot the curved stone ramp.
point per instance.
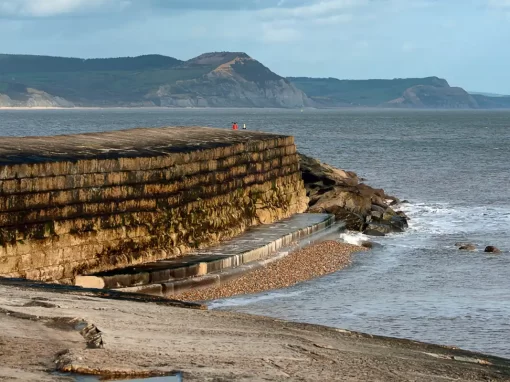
(166, 277)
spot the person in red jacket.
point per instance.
(234, 126)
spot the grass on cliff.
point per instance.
(359, 92)
(80, 86)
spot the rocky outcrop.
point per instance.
(434, 97)
(33, 98)
(343, 193)
(80, 204)
(237, 80)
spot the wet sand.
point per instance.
(304, 264)
(148, 338)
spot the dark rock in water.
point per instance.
(370, 244)
(402, 214)
(492, 249)
(367, 244)
(375, 229)
(467, 247)
(404, 201)
(398, 223)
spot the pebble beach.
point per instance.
(301, 265)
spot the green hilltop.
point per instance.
(217, 79)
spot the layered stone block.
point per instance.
(79, 204)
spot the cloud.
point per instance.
(46, 8)
(51, 8)
(505, 4)
(273, 34)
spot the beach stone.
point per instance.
(370, 244)
(467, 247)
(492, 249)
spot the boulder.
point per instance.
(370, 244)
(398, 223)
(375, 207)
(377, 229)
(376, 215)
(492, 249)
(389, 214)
(402, 214)
(467, 247)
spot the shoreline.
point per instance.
(298, 266)
(40, 330)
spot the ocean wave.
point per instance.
(355, 238)
(441, 218)
(251, 299)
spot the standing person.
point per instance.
(234, 126)
(244, 126)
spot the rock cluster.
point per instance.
(343, 193)
(472, 247)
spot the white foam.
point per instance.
(355, 238)
(439, 218)
(251, 299)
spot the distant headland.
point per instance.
(218, 79)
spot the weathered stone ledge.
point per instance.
(165, 277)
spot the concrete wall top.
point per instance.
(140, 142)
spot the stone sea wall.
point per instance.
(86, 203)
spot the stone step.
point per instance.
(255, 244)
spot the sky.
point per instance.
(466, 42)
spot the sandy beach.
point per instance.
(301, 265)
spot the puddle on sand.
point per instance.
(95, 378)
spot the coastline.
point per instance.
(304, 264)
(40, 331)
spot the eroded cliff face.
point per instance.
(33, 98)
(73, 205)
(238, 81)
(445, 97)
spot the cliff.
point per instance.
(218, 79)
(236, 80)
(226, 79)
(76, 204)
(421, 93)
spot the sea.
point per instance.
(452, 166)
